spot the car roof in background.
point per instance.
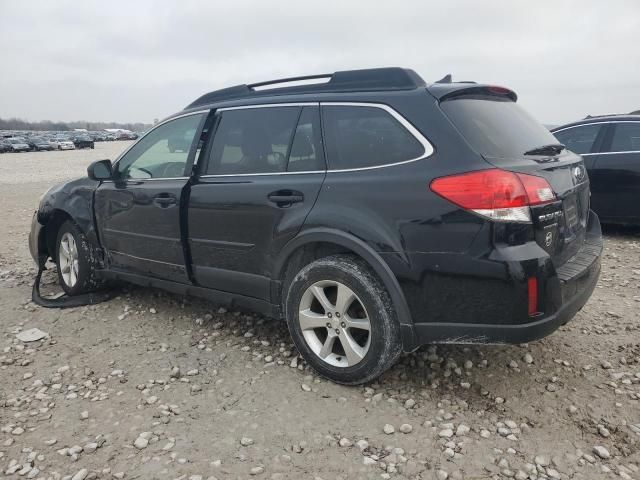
(599, 119)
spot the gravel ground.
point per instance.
(151, 385)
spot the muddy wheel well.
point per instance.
(56, 219)
(303, 256)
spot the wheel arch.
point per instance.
(49, 232)
(68, 201)
(51, 223)
(335, 241)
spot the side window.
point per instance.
(163, 152)
(306, 150)
(253, 140)
(358, 136)
(626, 137)
(579, 139)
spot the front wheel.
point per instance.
(75, 262)
(342, 320)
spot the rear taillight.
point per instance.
(497, 194)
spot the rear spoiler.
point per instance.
(450, 91)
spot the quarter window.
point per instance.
(359, 136)
(253, 140)
(163, 152)
(626, 137)
(579, 139)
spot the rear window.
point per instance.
(496, 127)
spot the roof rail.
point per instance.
(636, 112)
(372, 79)
(601, 115)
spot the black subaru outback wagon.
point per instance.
(374, 212)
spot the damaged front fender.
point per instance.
(70, 200)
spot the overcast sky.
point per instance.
(132, 61)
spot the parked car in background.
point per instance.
(66, 145)
(610, 146)
(4, 146)
(40, 144)
(126, 135)
(55, 143)
(19, 145)
(370, 211)
(83, 141)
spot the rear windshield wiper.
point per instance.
(552, 149)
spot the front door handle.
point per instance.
(164, 200)
(285, 198)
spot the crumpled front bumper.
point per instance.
(37, 243)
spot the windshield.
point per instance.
(495, 127)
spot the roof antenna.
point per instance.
(445, 79)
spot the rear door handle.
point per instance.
(164, 200)
(284, 198)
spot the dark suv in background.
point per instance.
(374, 212)
(610, 146)
(83, 141)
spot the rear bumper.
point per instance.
(512, 333)
(473, 309)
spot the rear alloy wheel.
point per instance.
(342, 321)
(338, 330)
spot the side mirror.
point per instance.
(100, 170)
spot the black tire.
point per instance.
(384, 344)
(86, 277)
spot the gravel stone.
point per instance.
(246, 441)
(81, 474)
(345, 442)
(441, 475)
(602, 452)
(362, 444)
(406, 428)
(141, 443)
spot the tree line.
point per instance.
(18, 124)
